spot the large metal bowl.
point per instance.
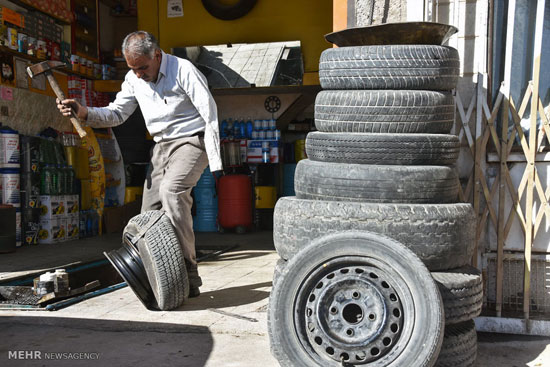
(405, 33)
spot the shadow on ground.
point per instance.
(104, 342)
(506, 350)
(226, 297)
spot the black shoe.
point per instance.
(194, 292)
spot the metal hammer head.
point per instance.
(43, 67)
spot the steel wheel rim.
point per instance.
(353, 309)
(128, 264)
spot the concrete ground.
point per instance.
(225, 326)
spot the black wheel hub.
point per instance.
(128, 264)
(350, 312)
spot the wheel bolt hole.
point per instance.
(360, 357)
(312, 298)
(359, 271)
(350, 332)
(372, 316)
(330, 350)
(386, 341)
(333, 310)
(385, 285)
(344, 271)
(396, 312)
(375, 351)
(394, 328)
(393, 297)
(355, 295)
(309, 312)
(320, 285)
(318, 340)
(330, 276)
(373, 276)
(344, 356)
(352, 313)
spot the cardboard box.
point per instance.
(72, 204)
(52, 206)
(254, 151)
(52, 230)
(72, 227)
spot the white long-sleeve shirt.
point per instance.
(177, 105)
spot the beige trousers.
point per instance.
(175, 168)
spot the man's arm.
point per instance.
(196, 87)
(114, 114)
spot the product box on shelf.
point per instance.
(254, 151)
(52, 206)
(52, 230)
(72, 227)
(72, 205)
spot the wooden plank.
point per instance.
(501, 203)
(477, 163)
(532, 141)
(464, 119)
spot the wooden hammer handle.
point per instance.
(61, 96)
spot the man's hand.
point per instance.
(66, 105)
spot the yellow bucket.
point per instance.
(131, 193)
(266, 196)
(300, 150)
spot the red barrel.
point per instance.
(235, 202)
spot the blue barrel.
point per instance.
(206, 202)
(288, 179)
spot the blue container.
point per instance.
(288, 179)
(206, 202)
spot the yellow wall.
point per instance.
(269, 21)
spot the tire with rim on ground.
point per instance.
(441, 235)
(357, 298)
(462, 293)
(162, 258)
(384, 111)
(383, 149)
(373, 183)
(426, 67)
(459, 348)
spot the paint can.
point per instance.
(9, 187)
(9, 148)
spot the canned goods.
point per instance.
(75, 63)
(257, 125)
(41, 49)
(265, 124)
(269, 134)
(261, 135)
(22, 42)
(272, 124)
(83, 65)
(31, 46)
(11, 39)
(89, 68)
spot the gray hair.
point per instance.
(140, 43)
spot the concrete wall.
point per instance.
(370, 12)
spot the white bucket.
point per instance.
(9, 148)
(9, 187)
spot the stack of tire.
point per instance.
(375, 249)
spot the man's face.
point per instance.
(145, 67)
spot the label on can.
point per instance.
(9, 183)
(9, 149)
(30, 232)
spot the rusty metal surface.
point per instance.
(405, 33)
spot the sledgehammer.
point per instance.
(46, 67)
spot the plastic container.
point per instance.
(10, 187)
(206, 203)
(235, 202)
(9, 148)
(266, 197)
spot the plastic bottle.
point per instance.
(46, 180)
(55, 180)
(229, 132)
(223, 129)
(242, 128)
(70, 180)
(249, 128)
(236, 129)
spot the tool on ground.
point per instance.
(46, 67)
